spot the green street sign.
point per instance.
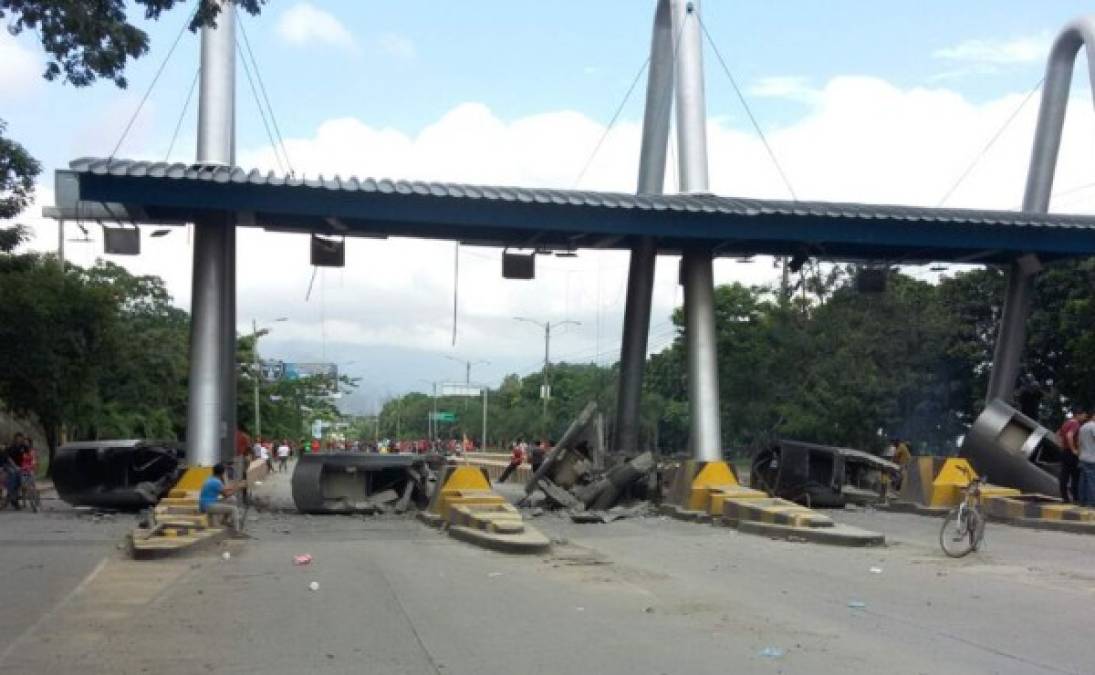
(444, 417)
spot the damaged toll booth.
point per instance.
(362, 483)
(120, 474)
(819, 475)
(1010, 449)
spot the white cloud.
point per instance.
(303, 24)
(860, 139)
(789, 87)
(21, 72)
(397, 46)
(1023, 49)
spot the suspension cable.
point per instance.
(748, 110)
(182, 114)
(611, 123)
(262, 89)
(262, 111)
(151, 85)
(992, 141)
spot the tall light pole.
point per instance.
(430, 421)
(545, 392)
(258, 370)
(468, 363)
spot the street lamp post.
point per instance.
(545, 391)
(258, 371)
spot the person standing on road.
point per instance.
(283, 456)
(1069, 476)
(212, 490)
(538, 454)
(13, 458)
(1085, 441)
(515, 461)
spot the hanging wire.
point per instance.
(748, 110)
(182, 115)
(992, 141)
(262, 89)
(455, 288)
(151, 85)
(262, 111)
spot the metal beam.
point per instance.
(699, 296)
(640, 276)
(1010, 341)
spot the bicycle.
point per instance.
(964, 527)
(27, 494)
(28, 491)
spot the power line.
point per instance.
(991, 142)
(155, 79)
(748, 110)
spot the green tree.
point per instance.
(85, 41)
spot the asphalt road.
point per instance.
(647, 595)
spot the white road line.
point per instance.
(52, 612)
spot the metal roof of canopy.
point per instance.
(155, 192)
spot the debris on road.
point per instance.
(574, 475)
(314, 585)
(302, 559)
(771, 653)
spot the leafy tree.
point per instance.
(85, 41)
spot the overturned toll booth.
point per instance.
(356, 483)
(819, 475)
(1013, 450)
(124, 474)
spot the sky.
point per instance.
(860, 101)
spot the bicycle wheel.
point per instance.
(955, 537)
(31, 498)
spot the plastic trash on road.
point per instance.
(302, 559)
(314, 585)
(771, 653)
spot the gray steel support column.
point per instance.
(1011, 339)
(698, 278)
(217, 91)
(205, 407)
(212, 314)
(229, 367)
(640, 276)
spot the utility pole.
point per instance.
(545, 391)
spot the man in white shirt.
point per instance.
(1085, 442)
(283, 457)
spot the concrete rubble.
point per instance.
(578, 476)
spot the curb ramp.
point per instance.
(466, 506)
(177, 524)
(710, 492)
(932, 486)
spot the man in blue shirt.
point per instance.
(213, 489)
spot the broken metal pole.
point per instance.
(1011, 339)
(640, 277)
